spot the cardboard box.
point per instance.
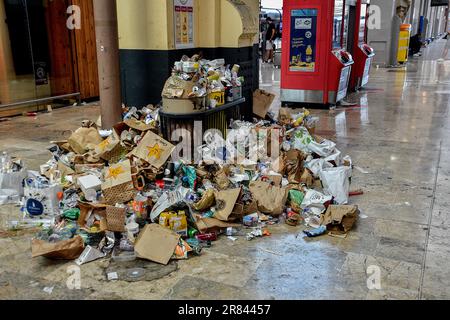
(89, 182)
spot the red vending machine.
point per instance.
(316, 67)
(357, 43)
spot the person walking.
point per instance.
(270, 37)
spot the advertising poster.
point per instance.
(184, 23)
(303, 40)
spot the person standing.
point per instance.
(270, 37)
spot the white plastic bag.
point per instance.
(316, 165)
(43, 200)
(315, 201)
(323, 149)
(302, 139)
(336, 182)
(336, 157)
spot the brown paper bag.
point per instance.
(84, 139)
(64, 250)
(285, 115)
(177, 88)
(293, 165)
(307, 178)
(139, 125)
(262, 102)
(221, 179)
(225, 202)
(110, 149)
(154, 150)
(340, 219)
(118, 186)
(270, 199)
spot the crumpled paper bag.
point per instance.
(340, 219)
(85, 139)
(63, 250)
(270, 199)
(206, 202)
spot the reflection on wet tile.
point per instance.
(358, 269)
(399, 230)
(400, 250)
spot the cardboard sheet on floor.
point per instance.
(206, 224)
(156, 243)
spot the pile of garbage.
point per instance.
(209, 83)
(119, 194)
(124, 194)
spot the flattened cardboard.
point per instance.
(206, 224)
(225, 202)
(65, 170)
(156, 243)
(154, 150)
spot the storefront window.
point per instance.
(39, 53)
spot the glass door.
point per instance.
(38, 56)
(17, 77)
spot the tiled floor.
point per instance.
(399, 132)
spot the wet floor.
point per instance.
(398, 136)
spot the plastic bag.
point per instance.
(316, 165)
(335, 157)
(336, 182)
(315, 201)
(295, 200)
(323, 149)
(302, 139)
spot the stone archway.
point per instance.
(249, 13)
